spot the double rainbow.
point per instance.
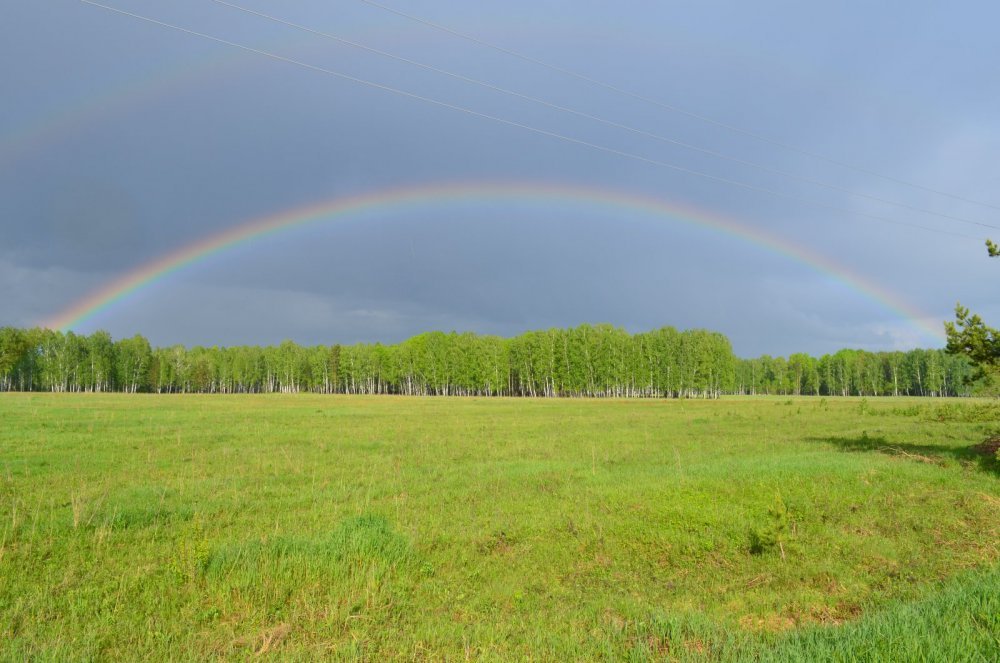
(413, 198)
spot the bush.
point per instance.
(775, 533)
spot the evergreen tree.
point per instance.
(968, 335)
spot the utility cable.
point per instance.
(675, 109)
(604, 121)
(512, 123)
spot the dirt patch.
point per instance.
(500, 543)
(695, 646)
(266, 641)
(896, 451)
(658, 646)
(272, 638)
(616, 621)
(766, 623)
(988, 447)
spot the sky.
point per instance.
(858, 179)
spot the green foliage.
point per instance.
(857, 373)
(589, 360)
(775, 533)
(909, 411)
(968, 413)
(969, 336)
(595, 361)
(14, 345)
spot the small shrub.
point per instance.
(909, 411)
(775, 533)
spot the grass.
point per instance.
(302, 527)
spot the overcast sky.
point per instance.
(121, 141)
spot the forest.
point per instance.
(588, 361)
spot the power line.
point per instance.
(604, 121)
(675, 109)
(512, 123)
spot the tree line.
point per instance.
(588, 360)
(858, 373)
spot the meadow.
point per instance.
(350, 527)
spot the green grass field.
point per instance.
(305, 527)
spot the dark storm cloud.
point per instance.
(230, 136)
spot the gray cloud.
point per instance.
(123, 141)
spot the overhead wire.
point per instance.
(513, 123)
(602, 120)
(676, 109)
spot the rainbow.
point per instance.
(410, 198)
